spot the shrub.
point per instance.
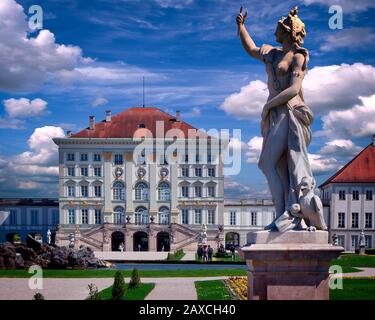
(135, 279)
(38, 296)
(177, 255)
(118, 289)
(93, 292)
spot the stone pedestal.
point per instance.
(293, 265)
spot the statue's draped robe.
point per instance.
(300, 119)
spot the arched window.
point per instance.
(118, 191)
(164, 191)
(164, 216)
(141, 216)
(119, 216)
(141, 191)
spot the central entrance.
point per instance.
(163, 242)
(140, 241)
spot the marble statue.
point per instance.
(49, 236)
(203, 235)
(286, 121)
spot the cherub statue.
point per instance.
(311, 205)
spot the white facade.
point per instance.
(350, 208)
(244, 216)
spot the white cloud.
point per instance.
(43, 150)
(236, 145)
(234, 189)
(26, 62)
(322, 165)
(176, 4)
(99, 102)
(347, 5)
(328, 88)
(355, 122)
(35, 169)
(248, 103)
(11, 123)
(352, 38)
(340, 148)
(22, 108)
(254, 149)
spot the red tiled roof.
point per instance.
(125, 123)
(359, 170)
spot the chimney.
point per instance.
(68, 133)
(178, 114)
(92, 122)
(108, 116)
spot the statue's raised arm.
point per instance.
(247, 42)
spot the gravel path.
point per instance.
(76, 289)
(189, 256)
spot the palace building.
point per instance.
(113, 192)
(349, 200)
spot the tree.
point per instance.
(135, 279)
(118, 289)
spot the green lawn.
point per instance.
(349, 262)
(355, 289)
(139, 293)
(212, 290)
(111, 273)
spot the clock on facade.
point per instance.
(141, 172)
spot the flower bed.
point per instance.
(237, 287)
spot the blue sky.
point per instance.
(91, 56)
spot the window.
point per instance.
(85, 216)
(355, 195)
(185, 172)
(197, 158)
(164, 216)
(164, 192)
(354, 242)
(185, 191)
(119, 216)
(341, 220)
(84, 172)
(186, 158)
(211, 172)
(71, 216)
(118, 191)
(97, 157)
(185, 216)
(84, 191)
(198, 172)
(141, 216)
(119, 160)
(211, 217)
(368, 241)
(34, 217)
(70, 157)
(368, 195)
(368, 220)
(98, 191)
(254, 216)
(341, 240)
(141, 191)
(98, 216)
(84, 157)
(198, 191)
(355, 220)
(71, 171)
(97, 171)
(211, 191)
(13, 217)
(233, 218)
(198, 216)
(71, 191)
(342, 195)
(55, 217)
